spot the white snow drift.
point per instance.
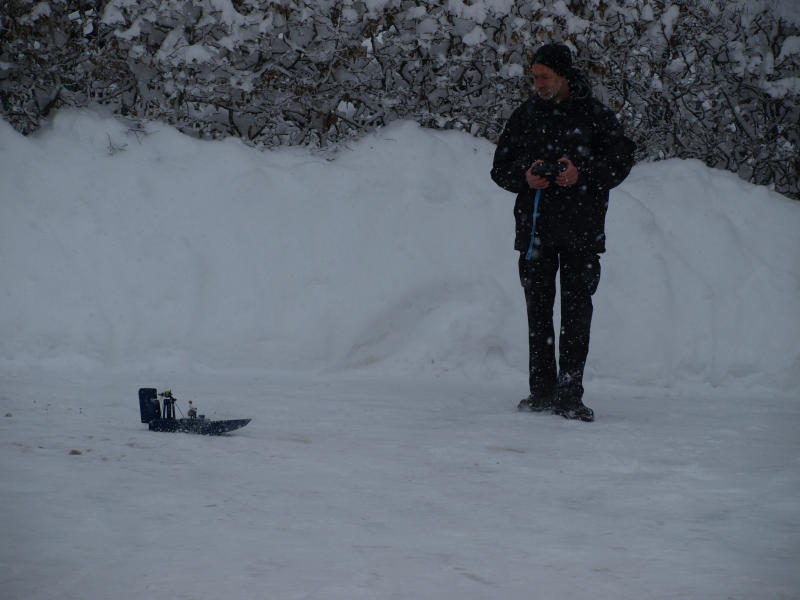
(127, 249)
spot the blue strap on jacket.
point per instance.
(533, 227)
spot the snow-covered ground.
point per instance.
(365, 312)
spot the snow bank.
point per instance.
(156, 251)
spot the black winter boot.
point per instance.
(576, 411)
(537, 403)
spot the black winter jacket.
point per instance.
(586, 132)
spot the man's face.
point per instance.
(549, 84)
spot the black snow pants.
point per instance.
(580, 275)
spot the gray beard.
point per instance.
(553, 97)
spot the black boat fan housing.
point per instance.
(149, 406)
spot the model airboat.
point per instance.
(150, 408)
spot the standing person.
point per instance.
(560, 152)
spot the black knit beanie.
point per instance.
(554, 56)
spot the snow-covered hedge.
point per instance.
(717, 80)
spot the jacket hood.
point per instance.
(579, 87)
